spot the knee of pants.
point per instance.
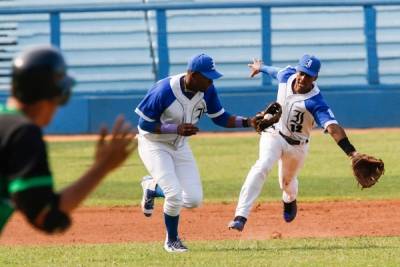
(259, 173)
(193, 202)
(263, 166)
(173, 204)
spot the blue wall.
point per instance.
(116, 56)
(352, 108)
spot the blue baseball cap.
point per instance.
(205, 65)
(309, 64)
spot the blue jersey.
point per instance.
(166, 103)
(301, 112)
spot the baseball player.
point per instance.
(287, 141)
(40, 84)
(168, 115)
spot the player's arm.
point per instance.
(41, 207)
(108, 156)
(259, 66)
(152, 107)
(339, 135)
(324, 117)
(185, 129)
(222, 118)
(31, 182)
(232, 121)
(336, 131)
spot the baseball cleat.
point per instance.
(289, 211)
(175, 246)
(237, 223)
(148, 196)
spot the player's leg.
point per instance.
(150, 153)
(168, 181)
(192, 194)
(150, 191)
(289, 166)
(172, 208)
(189, 177)
(270, 150)
(158, 160)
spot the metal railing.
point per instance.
(372, 74)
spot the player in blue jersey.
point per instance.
(287, 141)
(168, 115)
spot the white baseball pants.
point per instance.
(175, 171)
(272, 148)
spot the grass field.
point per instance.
(224, 163)
(363, 251)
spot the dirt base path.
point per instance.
(209, 222)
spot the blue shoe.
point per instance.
(237, 224)
(289, 211)
(148, 196)
(175, 246)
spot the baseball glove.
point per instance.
(268, 117)
(366, 169)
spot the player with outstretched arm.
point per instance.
(288, 140)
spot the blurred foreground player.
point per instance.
(39, 85)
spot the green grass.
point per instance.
(360, 251)
(224, 163)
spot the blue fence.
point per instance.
(358, 51)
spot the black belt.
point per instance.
(292, 141)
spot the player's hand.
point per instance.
(253, 120)
(110, 154)
(255, 66)
(187, 129)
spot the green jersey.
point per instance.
(23, 159)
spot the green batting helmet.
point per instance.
(41, 73)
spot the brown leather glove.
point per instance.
(366, 169)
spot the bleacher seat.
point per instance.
(113, 51)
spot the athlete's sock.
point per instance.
(159, 192)
(171, 223)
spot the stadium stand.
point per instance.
(114, 54)
(117, 51)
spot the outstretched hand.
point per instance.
(108, 156)
(255, 66)
(111, 154)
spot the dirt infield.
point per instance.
(209, 222)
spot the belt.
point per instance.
(292, 141)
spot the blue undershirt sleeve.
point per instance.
(222, 119)
(147, 125)
(270, 70)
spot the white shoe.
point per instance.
(175, 246)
